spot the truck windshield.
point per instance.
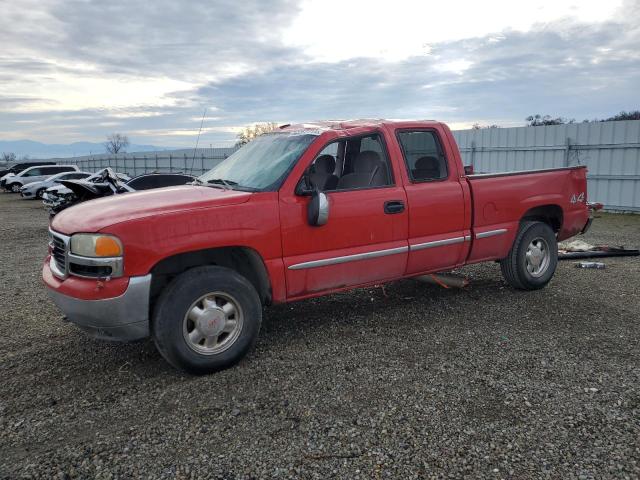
(261, 164)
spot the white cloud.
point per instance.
(335, 30)
(77, 92)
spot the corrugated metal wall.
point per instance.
(611, 151)
(186, 161)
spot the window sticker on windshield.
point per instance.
(295, 133)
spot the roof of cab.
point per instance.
(349, 124)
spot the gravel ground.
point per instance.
(412, 381)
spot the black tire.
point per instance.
(177, 299)
(514, 266)
(39, 193)
(14, 187)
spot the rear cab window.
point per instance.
(423, 155)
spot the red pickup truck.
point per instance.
(305, 211)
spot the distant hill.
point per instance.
(53, 150)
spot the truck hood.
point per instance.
(94, 215)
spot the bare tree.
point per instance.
(8, 157)
(251, 132)
(116, 143)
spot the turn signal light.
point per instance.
(107, 247)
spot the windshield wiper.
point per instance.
(221, 181)
(226, 184)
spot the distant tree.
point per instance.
(631, 115)
(251, 132)
(538, 120)
(477, 126)
(8, 157)
(116, 143)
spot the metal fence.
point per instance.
(610, 150)
(191, 161)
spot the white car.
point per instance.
(36, 189)
(34, 174)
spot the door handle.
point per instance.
(393, 206)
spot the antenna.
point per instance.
(197, 141)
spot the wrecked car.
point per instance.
(302, 212)
(105, 183)
(68, 193)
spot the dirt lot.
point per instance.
(410, 382)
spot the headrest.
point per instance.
(366, 162)
(427, 163)
(324, 164)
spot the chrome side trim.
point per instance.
(491, 233)
(467, 238)
(348, 258)
(437, 243)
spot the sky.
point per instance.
(77, 70)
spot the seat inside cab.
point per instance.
(354, 163)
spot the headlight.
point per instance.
(96, 245)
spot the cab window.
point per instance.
(423, 155)
(352, 163)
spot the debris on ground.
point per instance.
(596, 265)
(445, 280)
(580, 249)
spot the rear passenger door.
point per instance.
(437, 233)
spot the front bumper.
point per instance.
(122, 318)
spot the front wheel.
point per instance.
(207, 319)
(533, 258)
(15, 187)
(40, 193)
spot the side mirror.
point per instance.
(468, 169)
(318, 209)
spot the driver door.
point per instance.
(364, 240)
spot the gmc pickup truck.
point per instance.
(305, 211)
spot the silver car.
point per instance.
(36, 189)
(35, 174)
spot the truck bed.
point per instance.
(499, 200)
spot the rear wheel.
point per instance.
(533, 258)
(207, 319)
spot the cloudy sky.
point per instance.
(74, 70)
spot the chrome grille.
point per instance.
(59, 252)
